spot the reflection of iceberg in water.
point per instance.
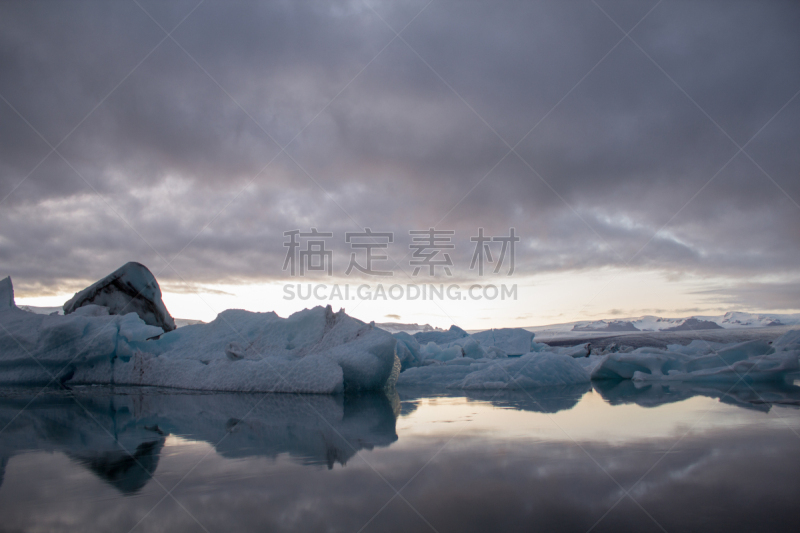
(119, 434)
(546, 400)
(89, 429)
(315, 429)
(128, 472)
(543, 400)
(757, 396)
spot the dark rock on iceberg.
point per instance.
(132, 288)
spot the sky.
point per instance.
(646, 154)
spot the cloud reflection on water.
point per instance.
(269, 472)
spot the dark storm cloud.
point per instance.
(614, 155)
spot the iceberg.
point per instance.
(470, 347)
(407, 350)
(312, 351)
(463, 347)
(47, 349)
(431, 346)
(532, 370)
(437, 353)
(440, 337)
(436, 375)
(130, 288)
(527, 372)
(750, 361)
(513, 341)
(577, 351)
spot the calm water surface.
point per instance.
(608, 457)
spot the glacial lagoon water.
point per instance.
(602, 457)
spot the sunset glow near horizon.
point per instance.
(542, 300)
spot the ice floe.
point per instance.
(751, 361)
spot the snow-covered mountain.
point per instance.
(730, 320)
(603, 325)
(736, 319)
(42, 310)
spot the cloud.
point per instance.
(557, 485)
(758, 296)
(174, 151)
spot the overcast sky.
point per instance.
(189, 137)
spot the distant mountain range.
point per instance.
(42, 310)
(731, 320)
(661, 324)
